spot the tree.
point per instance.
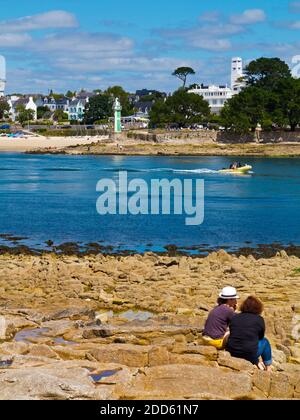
(25, 115)
(119, 92)
(271, 98)
(57, 96)
(287, 108)
(42, 111)
(182, 73)
(244, 111)
(182, 108)
(70, 94)
(153, 97)
(266, 72)
(59, 115)
(4, 109)
(193, 86)
(98, 108)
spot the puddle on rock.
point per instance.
(61, 341)
(105, 374)
(5, 364)
(29, 335)
(130, 315)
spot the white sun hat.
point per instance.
(229, 293)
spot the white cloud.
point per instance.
(132, 64)
(53, 19)
(83, 43)
(214, 36)
(249, 17)
(10, 40)
(211, 44)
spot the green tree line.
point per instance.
(271, 98)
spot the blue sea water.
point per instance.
(54, 198)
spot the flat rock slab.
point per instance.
(59, 381)
(181, 381)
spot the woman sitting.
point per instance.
(216, 327)
(247, 335)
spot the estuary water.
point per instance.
(54, 198)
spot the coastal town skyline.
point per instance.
(61, 46)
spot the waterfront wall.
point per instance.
(211, 136)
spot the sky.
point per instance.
(93, 44)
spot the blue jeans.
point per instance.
(265, 351)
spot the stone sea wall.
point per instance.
(212, 136)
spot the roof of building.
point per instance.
(77, 101)
(84, 95)
(21, 101)
(213, 88)
(144, 105)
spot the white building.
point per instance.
(76, 109)
(217, 96)
(237, 74)
(28, 103)
(2, 75)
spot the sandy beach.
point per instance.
(39, 142)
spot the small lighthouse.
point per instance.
(117, 117)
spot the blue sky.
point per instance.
(73, 44)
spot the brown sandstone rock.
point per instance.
(209, 352)
(280, 386)
(226, 360)
(42, 350)
(262, 381)
(158, 356)
(163, 382)
(190, 359)
(124, 354)
(14, 348)
(50, 383)
(68, 353)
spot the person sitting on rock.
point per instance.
(216, 327)
(247, 335)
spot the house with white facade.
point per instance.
(52, 103)
(218, 95)
(15, 101)
(76, 109)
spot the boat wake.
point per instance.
(196, 171)
(163, 170)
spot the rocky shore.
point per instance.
(127, 327)
(174, 148)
